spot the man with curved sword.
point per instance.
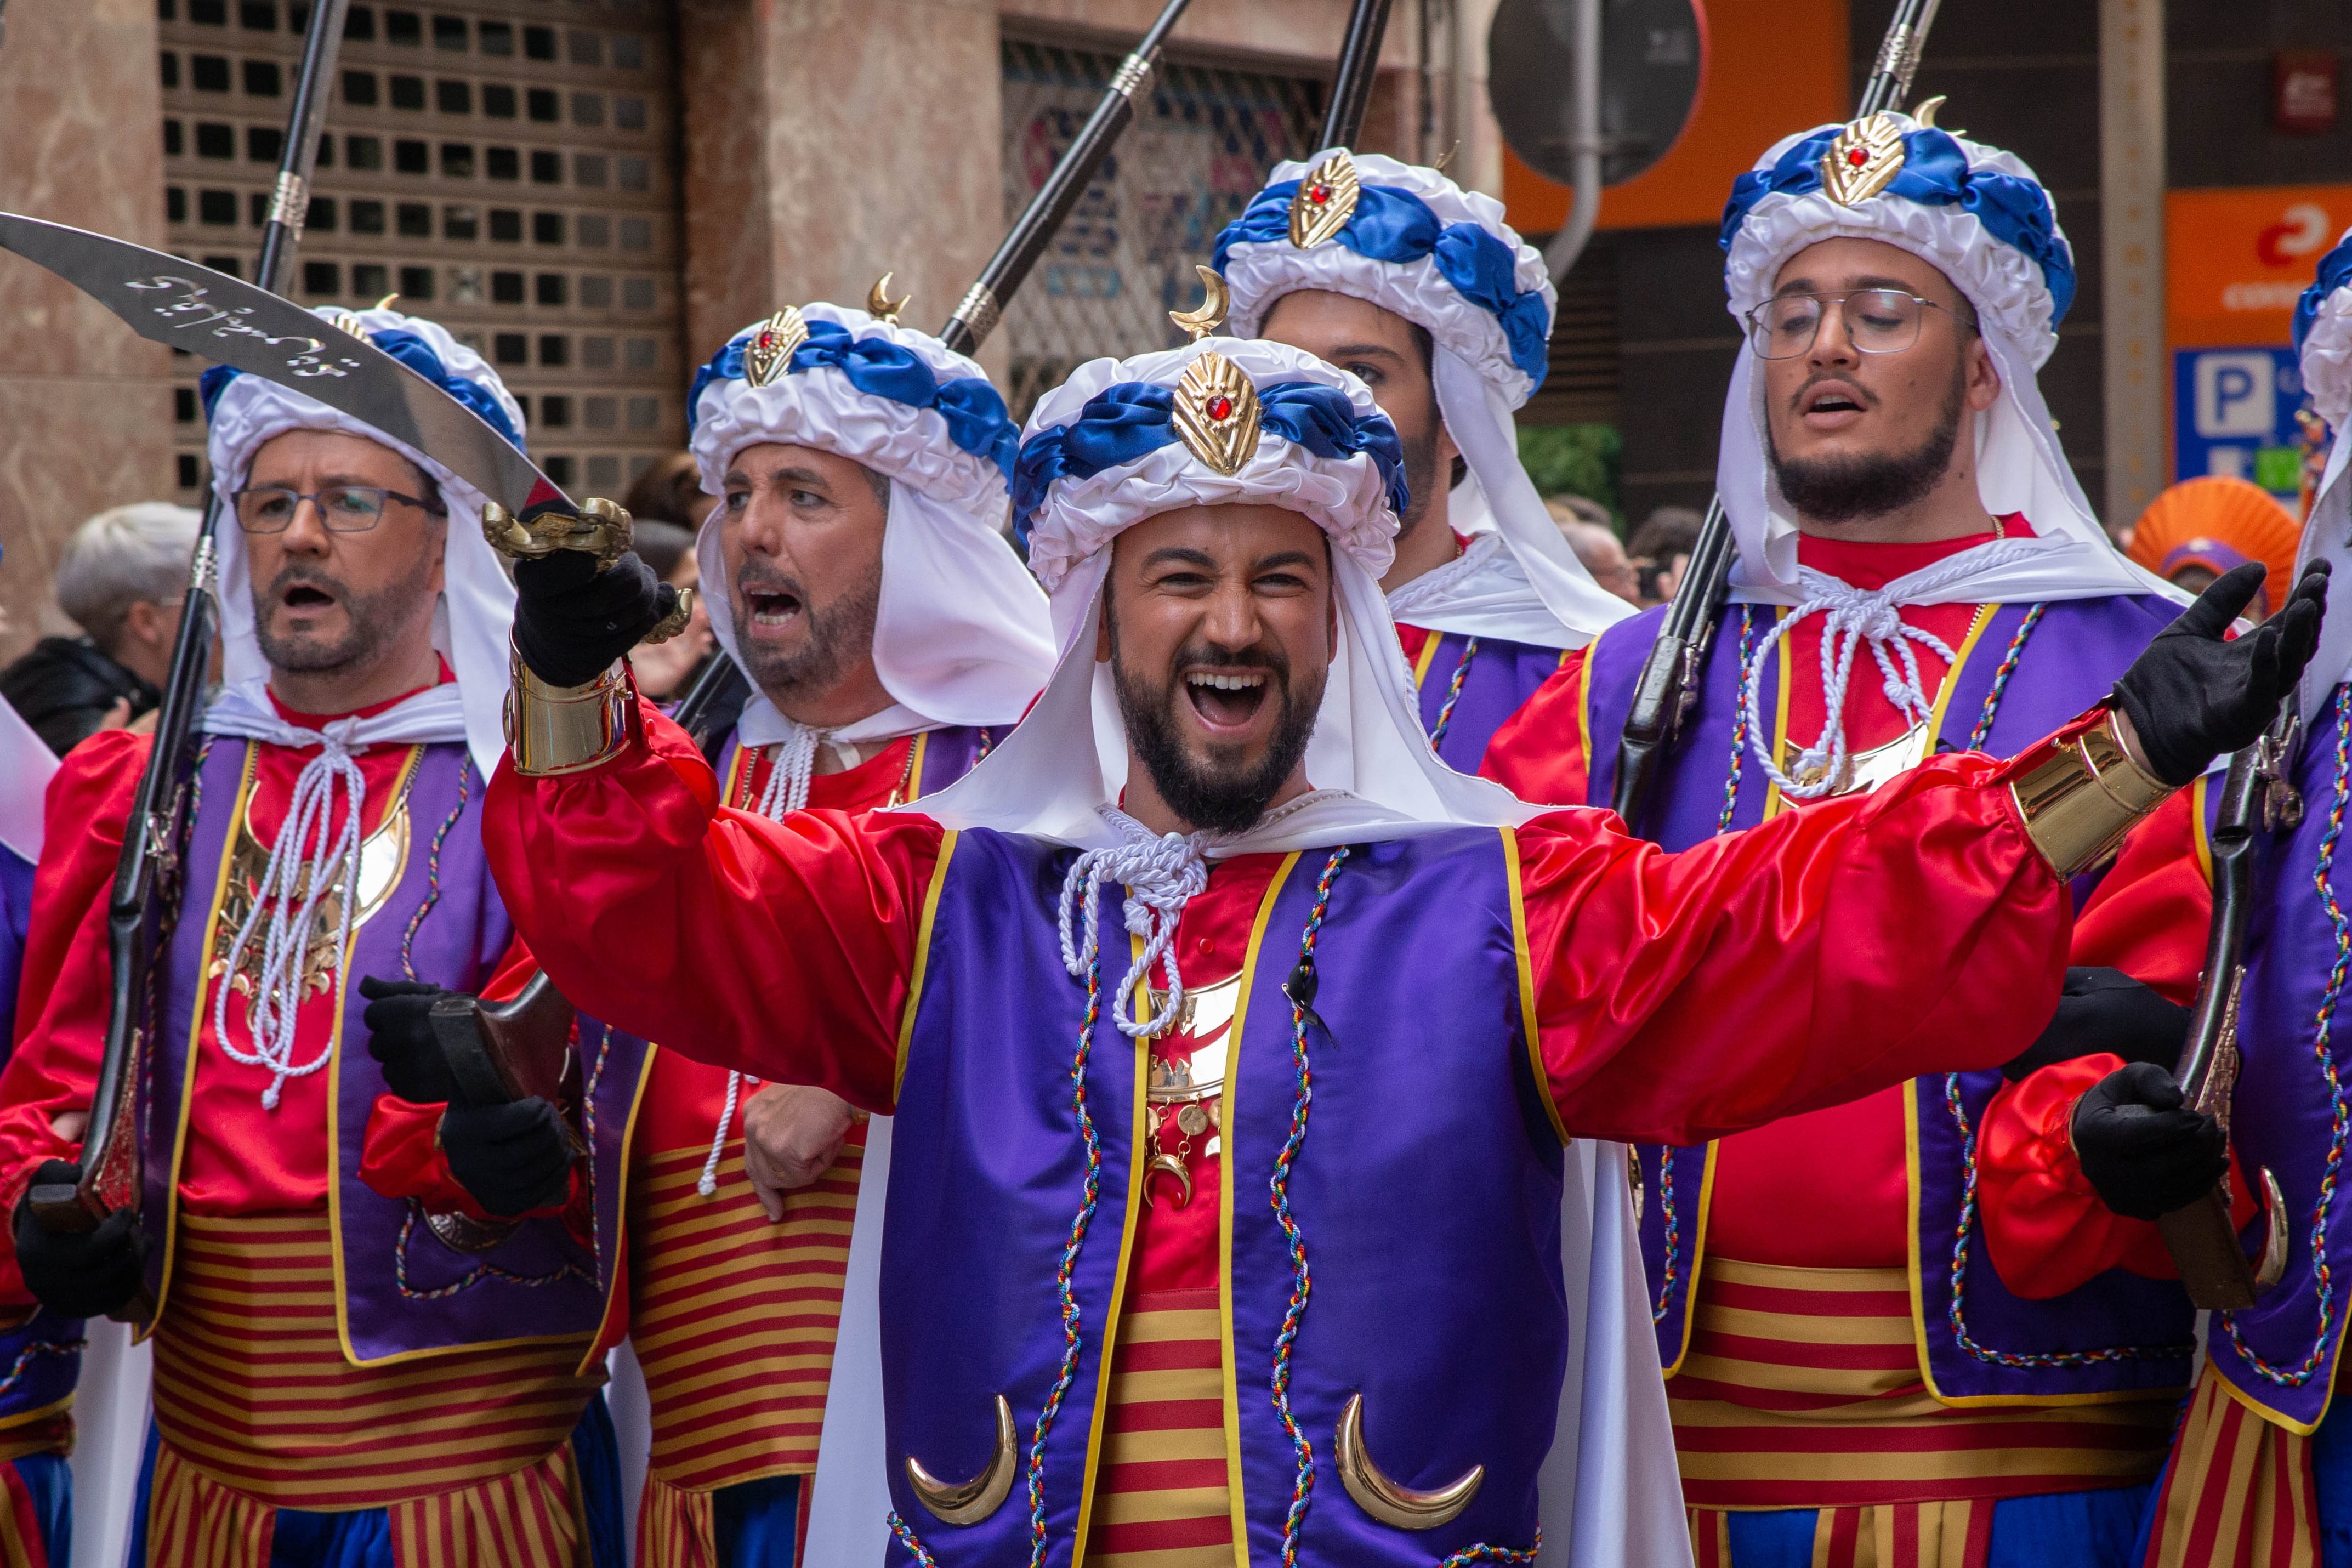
(1227, 767)
(1877, 1318)
(373, 1312)
(1417, 288)
(856, 570)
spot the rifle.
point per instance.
(2203, 1242)
(1359, 65)
(137, 917)
(1668, 685)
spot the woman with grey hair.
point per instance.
(121, 579)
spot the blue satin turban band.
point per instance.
(1935, 172)
(411, 350)
(1391, 223)
(878, 367)
(2334, 271)
(1133, 419)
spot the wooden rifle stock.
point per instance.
(140, 907)
(1670, 675)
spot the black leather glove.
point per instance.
(80, 1274)
(2145, 1155)
(2192, 697)
(512, 1158)
(2105, 1010)
(400, 1037)
(572, 621)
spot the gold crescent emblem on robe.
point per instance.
(880, 306)
(976, 1498)
(769, 355)
(1384, 1499)
(1165, 1163)
(1863, 160)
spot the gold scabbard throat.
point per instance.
(2083, 794)
(554, 729)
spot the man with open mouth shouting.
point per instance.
(373, 1302)
(1895, 484)
(1230, 1040)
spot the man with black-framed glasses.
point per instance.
(1909, 1319)
(375, 1300)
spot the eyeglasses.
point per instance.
(342, 508)
(1877, 321)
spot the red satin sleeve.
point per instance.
(783, 949)
(2046, 1228)
(1835, 949)
(1542, 753)
(61, 1019)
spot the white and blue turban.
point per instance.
(1420, 247)
(1980, 216)
(1103, 452)
(2323, 337)
(962, 635)
(477, 610)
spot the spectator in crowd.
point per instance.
(2197, 530)
(671, 492)
(121, 581)
(665, 670)
(1661, 548)
(1592, 534)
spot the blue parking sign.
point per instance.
(2234, 414)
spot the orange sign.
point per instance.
(2236, 261)
(1770, 69)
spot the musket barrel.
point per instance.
(1359, 65)
(289, 202)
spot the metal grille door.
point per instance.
(507, 167)
(1197, 152)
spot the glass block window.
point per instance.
(1196, 154)
(430, 105)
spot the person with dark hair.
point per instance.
(1215, 1019)
(1420, 288)
(671, 492)
(1896, 1315)
(664, 669)
(1661, 548)
(120, 579)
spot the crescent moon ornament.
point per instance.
(1212, 313)
(1925, 115)
(1169, 1165)
(975, 1499)
(1384, 1499)
(880, 306)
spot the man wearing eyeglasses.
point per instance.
(1907, 1320)
(373, 1300)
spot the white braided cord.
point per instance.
(1160, 874)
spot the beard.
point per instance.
(1420, 481)
(840, 633)
(1868, 484)
(372, 621)
(1219, 790)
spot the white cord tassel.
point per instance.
(1856, 617)
(708, 1184)
(275, 1004)
(1160, 874)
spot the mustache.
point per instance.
(1821, 378)
(297, 575)
(1205, 656)
(750, 579)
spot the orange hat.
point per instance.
(2217, 523)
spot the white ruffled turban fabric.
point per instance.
(477, 610)
(1420, 247)
(961, 634)
(1980, 216)
(1101, 454)
(2323, 336)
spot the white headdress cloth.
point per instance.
(1534, 590)
(1369, 762)
(2327, 533)
(962, 635)
(2019, 466)
(477, 609)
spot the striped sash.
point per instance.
(1161, 1497)
(2239, 1491)
(1802, 1390)
(734, 1315)
(253, 1392)
(1895, 1535)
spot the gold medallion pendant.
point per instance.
(1188, 1091)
